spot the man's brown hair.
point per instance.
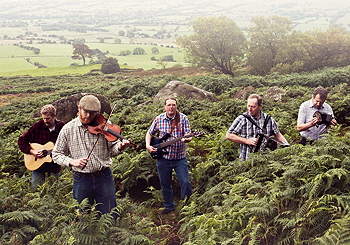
(256, 96)
(320, 91)
(48, 109)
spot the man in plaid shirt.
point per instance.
(42, 132)
(89, 156)
(177, 125)
(244, 132)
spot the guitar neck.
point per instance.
(170, 142)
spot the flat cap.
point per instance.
(90, 103)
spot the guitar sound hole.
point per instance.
(44, 153)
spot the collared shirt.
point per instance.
(162, 125)
(75, 141)
(40, 133)
(306, 112)
(243, 127)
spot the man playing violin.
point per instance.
(89, 155)
(244, 132)
(44, 131)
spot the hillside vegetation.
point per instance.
(294, 195)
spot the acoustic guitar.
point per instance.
(161, 143)
(33, 163)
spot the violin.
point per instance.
(109, 130)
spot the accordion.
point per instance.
(263, 142)
(323, 118)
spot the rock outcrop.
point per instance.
(67, 108)
(180, 89)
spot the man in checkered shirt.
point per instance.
(89, 156)
(177, 125)
(244, 132)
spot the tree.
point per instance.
(155, 50)
(169, 57)
(161, 63)
(36, 50)
(124, 52)
(295, 55)
(110, 65)
(82, 51)
(79, 40)
(138, 51)
(331, 48)
(101, 57)
(266, 35)
(217, 43)
(312, 50)
(121, 33)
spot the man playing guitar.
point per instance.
(44, 131)
(177, 125)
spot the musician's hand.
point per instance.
(333, 122)
(151, 149)
(252, 141)
(81, 162)
(37, 153)
(314, 121)
(186, 140)
(125, 143)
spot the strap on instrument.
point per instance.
(253, 122)
(256, 148)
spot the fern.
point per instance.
(338, 234)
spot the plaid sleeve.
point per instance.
(237, 125)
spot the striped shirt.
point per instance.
(75, 141)
(243, 127)
(162, 125)
(306, 112)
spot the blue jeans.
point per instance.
(165, 168)
(98, 190)
(39, 177)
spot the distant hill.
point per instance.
(136, 22)
(306, 14)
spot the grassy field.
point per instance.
(76, 70)
(13, 59)
(14, 64)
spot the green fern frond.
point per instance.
(338, 234)
(18, 217)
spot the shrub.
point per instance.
(110, 65)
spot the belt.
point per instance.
(95, 174)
